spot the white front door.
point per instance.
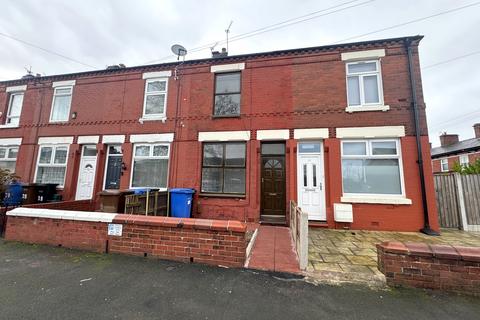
(86, 173)
(311, 185)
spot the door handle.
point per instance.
(272, 194)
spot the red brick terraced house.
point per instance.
(336, 128)
(452, 151)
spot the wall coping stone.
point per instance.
(62, 214)
(168, 222)
(448, 252)
(188, 223)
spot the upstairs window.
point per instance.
(364, 83)
(52, 164)
(444, 165)
(464, 160)
(62, 99)
(227, 94)
(155, 98)
(14, 109)
(223, 168)
(372, 167)
(8, 158)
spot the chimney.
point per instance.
(448, 139)
(217, 54)
(476, 128)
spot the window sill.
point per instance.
(226, 116)
(350, 109)
(58, 121)
(143, 188)
(221, 195)
(7, 126)
(376, 199)
(159, 118)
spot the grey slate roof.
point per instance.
(459, 147)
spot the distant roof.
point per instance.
(459, 147)
(413, 39)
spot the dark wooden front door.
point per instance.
(114, 171)
(273, 189)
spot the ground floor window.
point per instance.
(8, 158)
(150, 165)
(372, 167)
(52, 164)
(223, 168)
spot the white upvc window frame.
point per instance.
(361, 75)
(10, 101)
(155, 116)
(6, 157)
(55, 95)
(52, 160)
(444, 162)
(465, 159)
(150, 156)
(369, 155)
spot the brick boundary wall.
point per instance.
(196, 240)
(83, 235)
(215, 242)
(450, 268)
(74, 205)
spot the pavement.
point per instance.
(351, 255)
(39, 282)
(273, 250)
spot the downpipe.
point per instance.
(426, 219)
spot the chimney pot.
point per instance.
(476, 127)
(448, 139)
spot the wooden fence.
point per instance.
(458, 200)
(299, 230)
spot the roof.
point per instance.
(226, 59)
(458, 147)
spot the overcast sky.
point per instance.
(99, 33)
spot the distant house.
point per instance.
(453, 151)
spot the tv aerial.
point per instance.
(179, 51)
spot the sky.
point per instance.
(97, 33)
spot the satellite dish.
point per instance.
(179, 50)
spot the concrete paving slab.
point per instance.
(353, 255)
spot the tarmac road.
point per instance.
(39, 282)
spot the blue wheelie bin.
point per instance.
(13, 196)
(181, 202)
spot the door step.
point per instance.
(273, 220)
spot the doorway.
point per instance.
(86, 172)
(311, 180)
(273, 183)
(113, 169)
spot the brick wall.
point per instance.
(195, 240)
(419, 265)
(76, 205)
(190, 240)
(84, 235)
